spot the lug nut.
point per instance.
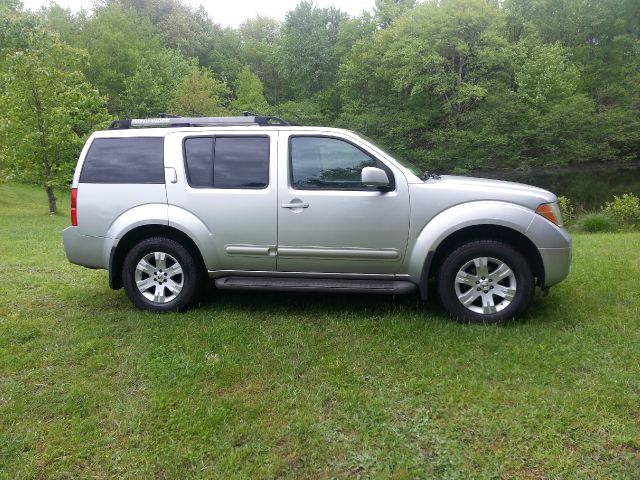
(491, 287)
(486, 291)
(477, 282)
(479, 289)
(491, 280)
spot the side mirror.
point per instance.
(374, 177)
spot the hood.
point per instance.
(461, 189)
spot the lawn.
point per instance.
(304, 386)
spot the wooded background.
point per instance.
(452, 85)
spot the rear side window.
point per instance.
(124, 160)
(227, 162)
(199, 158)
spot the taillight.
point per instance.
(74, 208)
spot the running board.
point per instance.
(291, 284)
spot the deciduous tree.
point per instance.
(200, 94)
(47, 109)
(249, 96)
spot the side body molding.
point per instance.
(426, 238)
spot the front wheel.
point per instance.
(486, 281)
(160, 274)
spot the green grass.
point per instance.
(305, 386)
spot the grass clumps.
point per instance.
(596, 223)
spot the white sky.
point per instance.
(231, 13)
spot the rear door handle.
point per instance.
(295, 205)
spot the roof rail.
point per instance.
(166, 120)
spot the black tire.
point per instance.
(515, 290)
(189, 280)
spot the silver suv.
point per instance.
(257, 204)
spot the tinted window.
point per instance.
(228, 162)
(199, 155)
(124, 160)
(327, 163)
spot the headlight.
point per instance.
(551, 211)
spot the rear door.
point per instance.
(227, 181)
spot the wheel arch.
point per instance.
(136, 235)
(516, 239)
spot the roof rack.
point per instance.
(165, 120)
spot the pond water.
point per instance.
(588, 187)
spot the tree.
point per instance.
(149, 90)
(48, 109)
(307, 55)
(186, 30)
(200, 94)
(15, 30)
(546, 76)
(260, 39)
(249, 95)
(143, 95)
(10, 5)
(425, 74)
(122, 44)
(386, 11)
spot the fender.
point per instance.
(195, 228)
(448, 221)
(149, 214)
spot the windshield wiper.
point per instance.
(429, 175)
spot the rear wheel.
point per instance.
(160, 274)
(485, 281)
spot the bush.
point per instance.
(596, 222)
(625, 210)
(567, 209)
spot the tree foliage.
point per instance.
(453, 84)
(115, 58)
(200, 94)
(307, 53)
(249, 96)
(260, 38)
(47, 110)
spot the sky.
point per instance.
(231, 13)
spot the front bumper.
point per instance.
(83, 249)
(557, 264)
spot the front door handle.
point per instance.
(295, 205)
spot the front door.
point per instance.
(328, 221)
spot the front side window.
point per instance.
(124, 160)
(227, 162)
(328, 163)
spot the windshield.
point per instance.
(404, 162)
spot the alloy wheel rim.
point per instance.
(159, 277)
(485, 285)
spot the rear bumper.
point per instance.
(557, 264)
(83, 249)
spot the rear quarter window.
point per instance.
(124, 160)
